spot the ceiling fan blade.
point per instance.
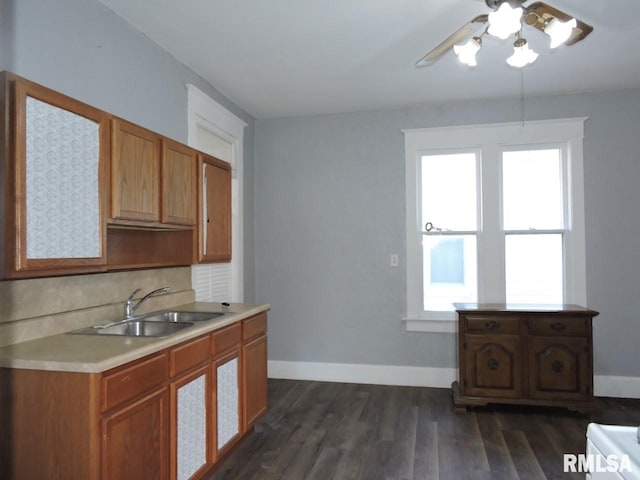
(539, 12)
(452, 40)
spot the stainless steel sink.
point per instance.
(136, 328)
(178, 316)
(156, 324)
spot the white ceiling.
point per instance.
(303, 57)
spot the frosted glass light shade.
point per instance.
(505, 21)
(467, 53)
(559, 31)
(522, 54)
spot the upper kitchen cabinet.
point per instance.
(54, 152)
(153, 179)
(214, 235)
(153, 200)
(178, 183)
(135, 173)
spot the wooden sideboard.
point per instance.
(525, 355)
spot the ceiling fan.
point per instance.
(560, 26)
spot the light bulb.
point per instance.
(559, 31)
(505, 21)
(522, 54)
(467, 53)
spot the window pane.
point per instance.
(449, 270)
(449, 191)
(532, 190)
(534, 269)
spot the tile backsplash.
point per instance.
(36, 308)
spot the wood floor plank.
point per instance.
(523, 457)
(495, 446)
(425, 460)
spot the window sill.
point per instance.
(430, 325)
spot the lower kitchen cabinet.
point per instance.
(524, 355)
(170, 415)
(254, 369)
(190, 456)
(228, 402)
(254, 356)
(136, 439)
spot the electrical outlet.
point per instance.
(394, 260)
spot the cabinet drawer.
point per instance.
(497, 324)
(254, 326)
(125, 384)
(188, 355)
(225, 339)
(559, 326)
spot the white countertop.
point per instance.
(98, 353)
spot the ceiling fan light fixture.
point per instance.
(467, 53)
(522, 54)
(559, 31)
(505, 21)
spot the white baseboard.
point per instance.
(359, 373)
(604, 386)
(620, 387)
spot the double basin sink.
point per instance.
(156, 324)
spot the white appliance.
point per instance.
(617, 444)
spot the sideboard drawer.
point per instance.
(559, 326)
(497, 324)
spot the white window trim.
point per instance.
(203, 110)
(489, 137)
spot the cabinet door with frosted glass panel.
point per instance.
(55, 188)
(227, 427)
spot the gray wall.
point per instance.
(83, 49)
(330, 210)
(6, 34)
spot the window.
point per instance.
(495, 213)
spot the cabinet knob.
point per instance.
(557, 366)
(492, 325)
(558, 326)
(493, 364)
(208, 220)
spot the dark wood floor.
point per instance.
(324, 431)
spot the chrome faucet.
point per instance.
(130, 307)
